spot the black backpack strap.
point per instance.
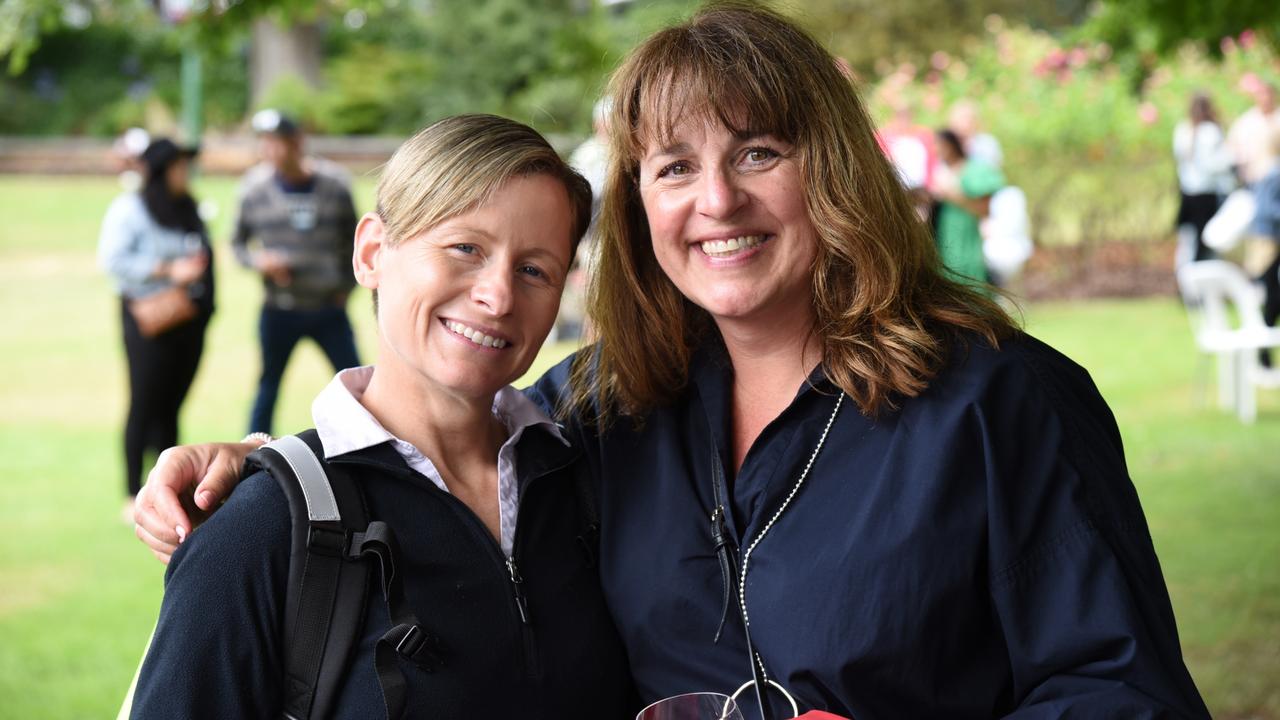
(325, 599)
(333, 547)
(407, 638)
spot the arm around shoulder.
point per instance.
(216, 650)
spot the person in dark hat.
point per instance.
(295, 227)
(155, 247)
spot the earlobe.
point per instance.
(366, 260)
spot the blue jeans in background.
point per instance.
(278, 332)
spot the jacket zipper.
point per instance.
(517, 584)
(512, 574)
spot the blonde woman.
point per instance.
(825, 466)
(467, 254)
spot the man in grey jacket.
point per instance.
(296, 226)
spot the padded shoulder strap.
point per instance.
(326, 595)
(310, 476)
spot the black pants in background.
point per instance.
(1271, 301)
(160, 373)
(1197, 211)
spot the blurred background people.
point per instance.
(154, 245)
(910, 148)
(965, 122)
(591, 160)
(296, 226)
(127, 152)
(1249, 138)
(963, 187)
(1204, 176)
(1266, 225)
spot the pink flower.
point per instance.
(1247, 39)
(1249, 83)
(1077, 57)
(940, 60)
(1148, 113)
(1227, 44)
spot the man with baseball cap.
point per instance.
(296, 226)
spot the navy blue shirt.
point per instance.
(217, 650)
(978, 553)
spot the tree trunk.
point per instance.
(280, 51)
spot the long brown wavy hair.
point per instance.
(886, 314)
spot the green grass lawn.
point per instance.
(78, 594)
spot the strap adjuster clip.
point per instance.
(325, 541)
(411, 643)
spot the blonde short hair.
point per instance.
(455, 165)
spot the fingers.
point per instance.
(159, 513)
(165, 512)
(162, 550)
(221, 474)
(162, 511)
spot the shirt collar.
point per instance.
(344, 425)
(711, 370)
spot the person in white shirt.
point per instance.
(1250, 134)
(1204, 176)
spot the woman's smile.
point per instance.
(477, 336)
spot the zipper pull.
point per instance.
(725, 558)
(517, 584)
(717, 528)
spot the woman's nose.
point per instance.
(493, 290)
(719, 195)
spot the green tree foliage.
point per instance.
(106, 76)
(868, 33)
(540, 61)
(1162, 26)
(23, 23)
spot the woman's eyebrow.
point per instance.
(465, 230)
(679, 148)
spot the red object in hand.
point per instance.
(819, 715)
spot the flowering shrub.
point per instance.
(1091, 150)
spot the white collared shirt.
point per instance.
(344, 425)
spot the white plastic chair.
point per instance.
(1210, 288)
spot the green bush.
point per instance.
(1049, 101)
(98, 80)
(1090, 150)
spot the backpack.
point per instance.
(334, 550)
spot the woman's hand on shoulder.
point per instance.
(186, 485)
